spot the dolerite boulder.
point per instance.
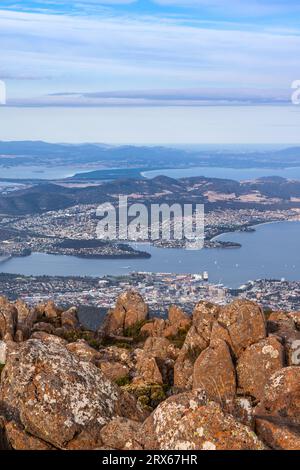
(8, 320)
(197, 339)
(69, 319)
(55, 397)
(256, 365)
(84, 352)
(129, 311)
(245, 323)
(282, 395)
(278, 415)
(285, 327)
(121, 434)
(48, 311)
(26, 318)
(214, 372)
(154, 328)
(189, 421)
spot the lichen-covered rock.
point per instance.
(219, 332)
(197, 339)
(19, 439)
(190, 421)
(295, 316)
(147, 368)
(277, 434)
(43, 336)
(48, 311)
(130, 310)
(257, 363)
(69, 319)
(43, 326)
(177, 316)
(3, 352)
(204, 316)
(8, 320)
(161, 348)
(116, 354)
(178, 321)
(114, 370)
(26, 319)
(245, 323)
(120, 434)
(282, 395)
(58, 398)
(85, 352)
(284, 327)
(214, 372)
(155, 328)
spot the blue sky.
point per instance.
(149, 52)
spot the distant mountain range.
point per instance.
(43, 153)
(264, 193)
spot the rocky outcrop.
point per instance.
(190, 421)
(53, 396)
(214, 372)
(68, 388)
(8, 320)
(129, 311)
(282, 395)
(26, 319)
(197, 339)
(256, 365)
(121, 434)
(245, 323)
(278, 415)
(69, 319)
(85, 352)
(285, 327)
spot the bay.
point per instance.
(272, 252)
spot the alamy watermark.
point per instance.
(2, 93)
(296, 93)
(153, 222)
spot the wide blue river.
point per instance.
(272, 251)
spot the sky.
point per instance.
(149, 53)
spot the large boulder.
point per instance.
(8, 320)
(283, 325)
(161, 348)
(129, 311)
(245, 323)
(48, 311)
(147, 368)
(155, 327)
(257, 363)
(69, 319)
(190, 421)
(178, 322)
(3, 352)
(282, 396)
(57, 398)
(120, 434)
(277, 434)
(214, 372)
(114, 371)
(197, 339)
(84, 351)
(26, 319)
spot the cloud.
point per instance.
(182, 97)
(237, 7)
(45, 54)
